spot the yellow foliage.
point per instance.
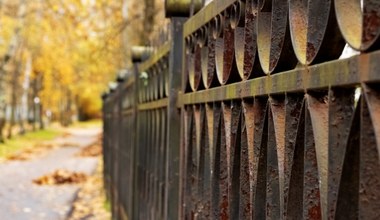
(73, 44)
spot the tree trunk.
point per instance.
(11, 55)
(42, 125)
(13, 113)
(2, 125)
(34, 105)
(14, 95)
(20, 122)
(24, 109)
(149, 13)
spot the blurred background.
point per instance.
(56, 59)
(56, 56)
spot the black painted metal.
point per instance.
(197, 132)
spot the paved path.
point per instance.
(20, 199)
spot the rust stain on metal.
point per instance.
(297, 144)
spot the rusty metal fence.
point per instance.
(249, 111)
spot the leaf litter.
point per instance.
(61, 176)
(92, 150)
(91, 199)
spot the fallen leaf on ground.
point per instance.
(91, 199)
(66, 134)
(69, 144)
(19, 156)
(26, 154)
(59, 177)
(45, 145)
(93, 150)
(32, 152)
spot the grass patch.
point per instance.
(27, 140)
(87, 124)
(107, 205)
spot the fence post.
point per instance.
(138, 54)
(135, 151)
(174, 117)
(178, 11)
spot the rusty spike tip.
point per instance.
(122, 75)
(140, 53)
(104, 95)
(112, 87)
(181, 8)
(120, 79)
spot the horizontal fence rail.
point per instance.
(251, 111)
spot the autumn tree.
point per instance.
(57, 56)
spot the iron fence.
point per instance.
(247, 112)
